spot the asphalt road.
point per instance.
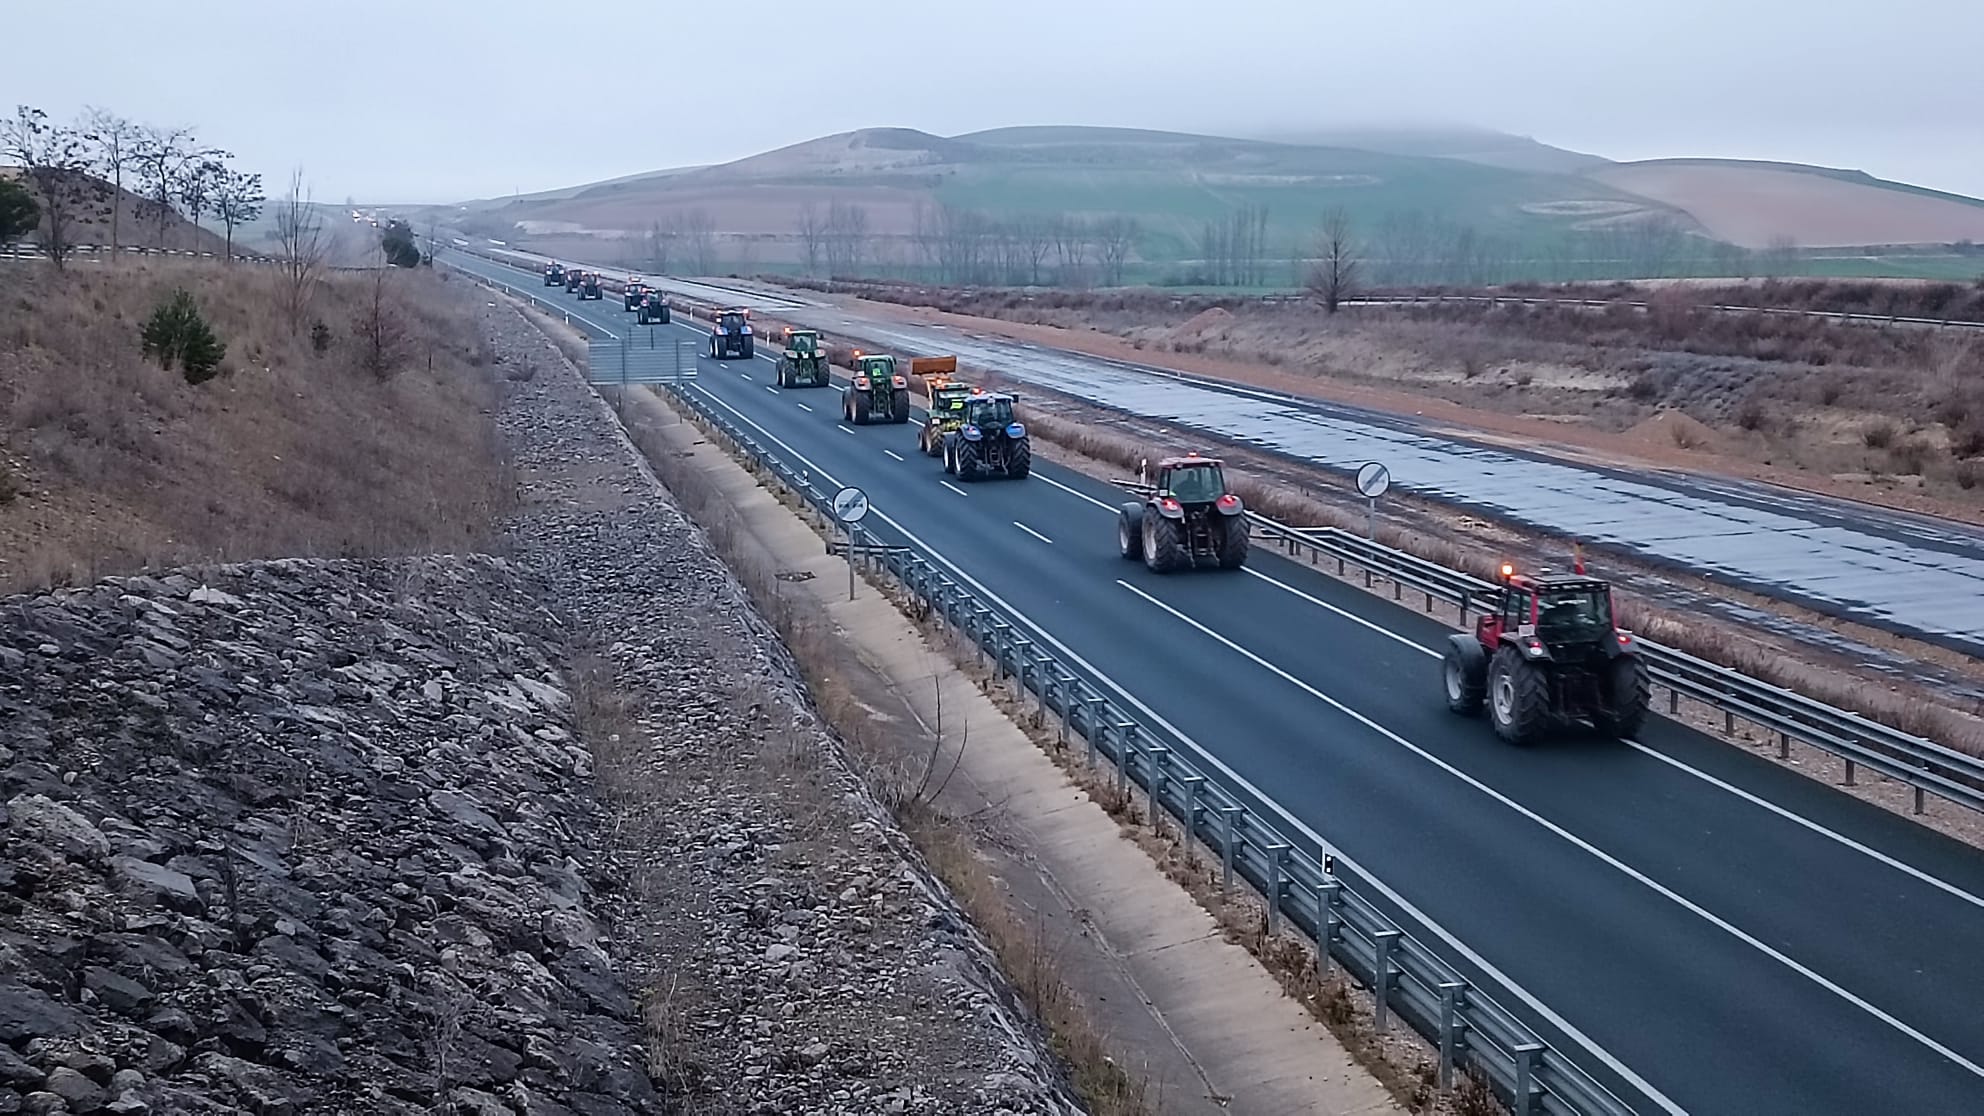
(1700, 929)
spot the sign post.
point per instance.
(1372, 481)
(850, 504)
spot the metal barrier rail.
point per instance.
(1407, 979)
(1928, 767)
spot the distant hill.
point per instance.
(1510, 201)
(1752, 203)
(135, 225)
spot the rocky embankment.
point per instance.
(553, 833)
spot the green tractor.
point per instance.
(878, 393)
(947, 401)
(804, 362)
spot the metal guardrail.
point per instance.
(1407, 979)
(1844, 317)
(27, 251)
(1928, 767)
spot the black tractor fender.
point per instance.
(1621, 645)
(1472, 656)
(1133, 515)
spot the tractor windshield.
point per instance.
(952, 399)
(990, 412)
(1197, 484)
(1573, 614)
(802, 343)
(732, 321)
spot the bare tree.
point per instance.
(1070, 248)
(303, 246)
(661, 246)
(380, 331)
(238, 201)
(846, 234)
(812, 237)
(162, 157)
(1780, 255)
(698, 235)
(1335, 274)
(55, 161)
(1034, 236)
(1115, 237)
(113, 144)
(199, 183)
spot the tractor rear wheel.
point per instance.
(1019, 459)
(860, 410)
(748, 349)
(1628, 691)
(1232, 542)
(969, 460)
(1130, 531)
(899, 405)
(1518, 697)
(1164, 543)
(1465, 687)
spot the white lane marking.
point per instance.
(1815, 827)
(776, 440)
(749, 380)
(842, 429)
(894, 454)
(1034, 533)
(954, 488)
(805, 408)
(1077, 493)
(1345, 613)
(1235, 779)
(1594, 851)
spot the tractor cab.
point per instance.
(802, 343)
(734, 320)
(985, 410)
(633, 293)
(1193, 480)
(1552, 615)
(878, 368)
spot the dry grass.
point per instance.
(290, 452)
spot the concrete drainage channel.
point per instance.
(1469, 1027)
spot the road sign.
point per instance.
(850, 504)
(1373, 479)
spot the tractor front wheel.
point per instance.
(1466, 687)
(1627, 694)
(1518, 697)
(1130, 531)
(1232, 542)
(1164, 543)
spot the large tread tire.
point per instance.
(970, 463)
(750, 348)
(1233, 542)
(1164, 543)
(1019, 459)
(1130, 531)
(860, 410)
(1466, 689)
(899, 405)
(1518, 697)
(1628, 693)
(950, 456)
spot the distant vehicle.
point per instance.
(653, 309)
(730, 334)
(589, 287)
(876, 392)
(554, 275)
(804, 361)
(631, 295)
(573, 276)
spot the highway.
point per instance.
(1701, 930)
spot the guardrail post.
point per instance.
(1094, 727)
(1191, 815)
(1784, 751)
(1849, 772)
(1329, 924)
(1382, 974)
(1158, 753)
(1450, 1025)
(1918, 798)
(1524, 1100)
(1126, 754)
(1226, 848)
(1277, 860)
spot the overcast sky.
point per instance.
(423, 100)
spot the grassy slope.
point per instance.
(108, 463)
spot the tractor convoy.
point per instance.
(1548, 654)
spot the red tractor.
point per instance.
(1186, 518)
(1550, 653)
